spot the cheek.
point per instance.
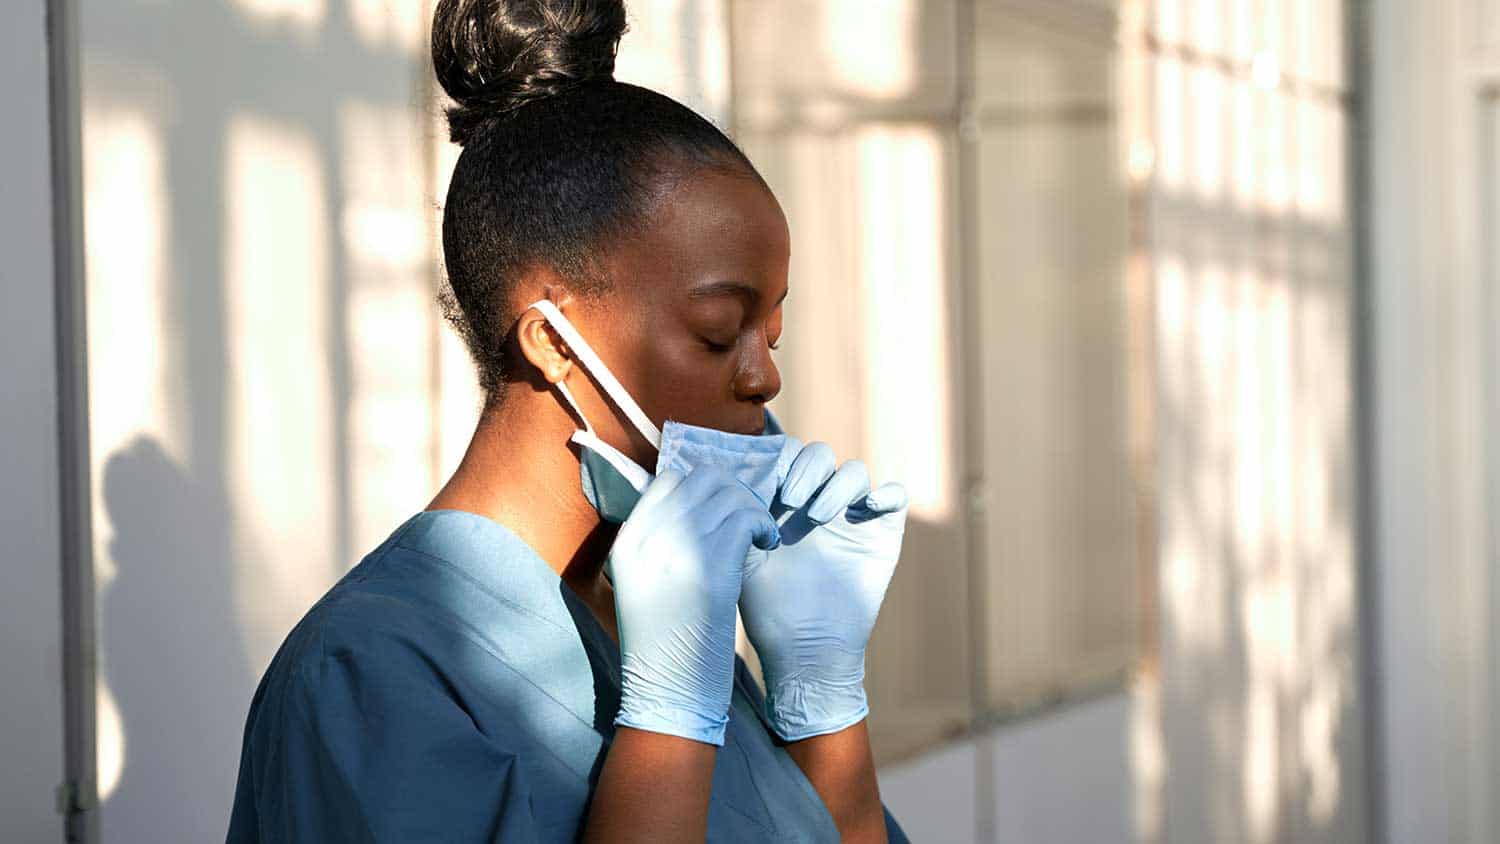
(679, 379)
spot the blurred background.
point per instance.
(1175, 316)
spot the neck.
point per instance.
(519, 470)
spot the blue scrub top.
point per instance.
(452, 688)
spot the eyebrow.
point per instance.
(748, 292)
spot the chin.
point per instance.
(750, 424)
(754, 430)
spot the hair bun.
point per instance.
(494, 56)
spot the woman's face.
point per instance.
(696, 308)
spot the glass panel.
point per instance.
(868, 321)
(1043, 60)
(851, 118)
(1061, 526)
(678, 47)
(1487, 14)
(816, 61)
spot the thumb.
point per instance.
(888, 497)
(765, 533)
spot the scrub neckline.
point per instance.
(451, 534)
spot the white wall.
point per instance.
(261, 335)
(1434, 196)
(31, 740)
(1064, 776)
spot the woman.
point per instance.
(547, 651)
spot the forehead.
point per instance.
(710, 224)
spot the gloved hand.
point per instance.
(676, 566)
(810, 604)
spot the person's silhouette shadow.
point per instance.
(170, 647)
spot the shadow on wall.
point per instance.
(1260, 713)
(259, 334)
(169, 617)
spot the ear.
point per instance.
(543, 347)
(540, 343)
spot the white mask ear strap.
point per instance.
(595, 365)
(573, 403)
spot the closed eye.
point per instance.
(721, 348)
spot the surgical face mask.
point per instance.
(613, 483)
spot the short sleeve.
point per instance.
(371, 746)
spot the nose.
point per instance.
(758, 380)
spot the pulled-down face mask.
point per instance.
(613, 483)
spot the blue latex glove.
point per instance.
(810, 604)
(676, 566)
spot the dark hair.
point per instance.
(559, 159)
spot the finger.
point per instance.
(723, 502)
(752, 527)
(848, 484)
(887, 498)
(812, 467)
(789, 451)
